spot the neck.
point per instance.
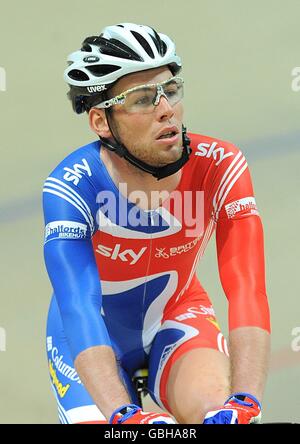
(122, 172)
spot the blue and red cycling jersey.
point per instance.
(117, 270)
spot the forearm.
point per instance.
(249, 349)
(97, 369)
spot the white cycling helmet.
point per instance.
(119, 50)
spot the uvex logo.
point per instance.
(208, 150)
(125, 255)
(78, 170)
(96, 88)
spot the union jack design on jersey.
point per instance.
(123, 275)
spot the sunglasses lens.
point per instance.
(145, 98)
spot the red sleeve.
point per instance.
(240, 248)
(242, 271)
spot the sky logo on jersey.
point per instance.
(240, 207)
(125, 255)
(65, 229)
(208, 150)
(79, 169)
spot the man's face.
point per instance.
(140, 132)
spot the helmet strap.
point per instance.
(157, 172)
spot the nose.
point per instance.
(164, 110)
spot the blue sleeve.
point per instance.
(74, 276)
(69, 211)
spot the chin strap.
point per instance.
(158, 172)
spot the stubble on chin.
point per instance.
(157, 157)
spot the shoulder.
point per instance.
(212, 149)
(222, 171)
(228, 176)
(69, 192)
(78, 164)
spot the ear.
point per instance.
(98, 122)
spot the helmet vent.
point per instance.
(164, 47)
(102, 70)
(115, 48)
(76, 74)
(159, 43)
(143, 42)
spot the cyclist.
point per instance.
(127, 218)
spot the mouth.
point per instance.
(169, 135)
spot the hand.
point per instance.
(132, 414)
(240, 408)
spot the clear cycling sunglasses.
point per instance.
(143, 98)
